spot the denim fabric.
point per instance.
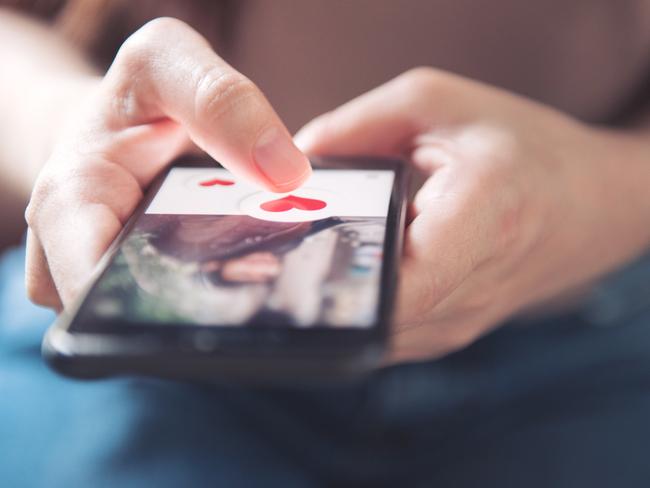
(563, 402)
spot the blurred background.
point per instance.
(573, 394)
(586, 57)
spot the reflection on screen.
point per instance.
(215, 251)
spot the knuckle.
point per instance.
(219, 90)
(422, 86)
(140, 51)
(419, 73)
(494, 156)
(161, 27)
(148, 37)
(423, 79)
(42, 193)
(55, 189)
(30, 213)
(134, 55)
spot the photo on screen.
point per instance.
(213, 251)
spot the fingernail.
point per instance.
(280, 160)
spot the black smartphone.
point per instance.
(215, 279)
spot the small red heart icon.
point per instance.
(285, 204)
(216, 181)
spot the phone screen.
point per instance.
(215, 251)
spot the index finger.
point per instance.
(167, 70)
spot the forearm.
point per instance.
(42, 81)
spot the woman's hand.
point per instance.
(165, 90)
(521, 204)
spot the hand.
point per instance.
(165, 90)
(521, 203)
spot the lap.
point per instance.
(563, 399)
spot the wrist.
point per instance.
(622, 163)
(599, 217)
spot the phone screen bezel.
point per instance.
(319, 336)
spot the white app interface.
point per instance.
(342, 193)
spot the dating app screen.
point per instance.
(214, 250)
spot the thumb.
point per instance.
(386, 120)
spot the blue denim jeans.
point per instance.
(559, 402)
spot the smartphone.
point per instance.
(214, 279)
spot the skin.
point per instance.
(165, 90)
(518, 209)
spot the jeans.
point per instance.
(562, 402)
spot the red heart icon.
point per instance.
(216, 181)
(285, 204)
